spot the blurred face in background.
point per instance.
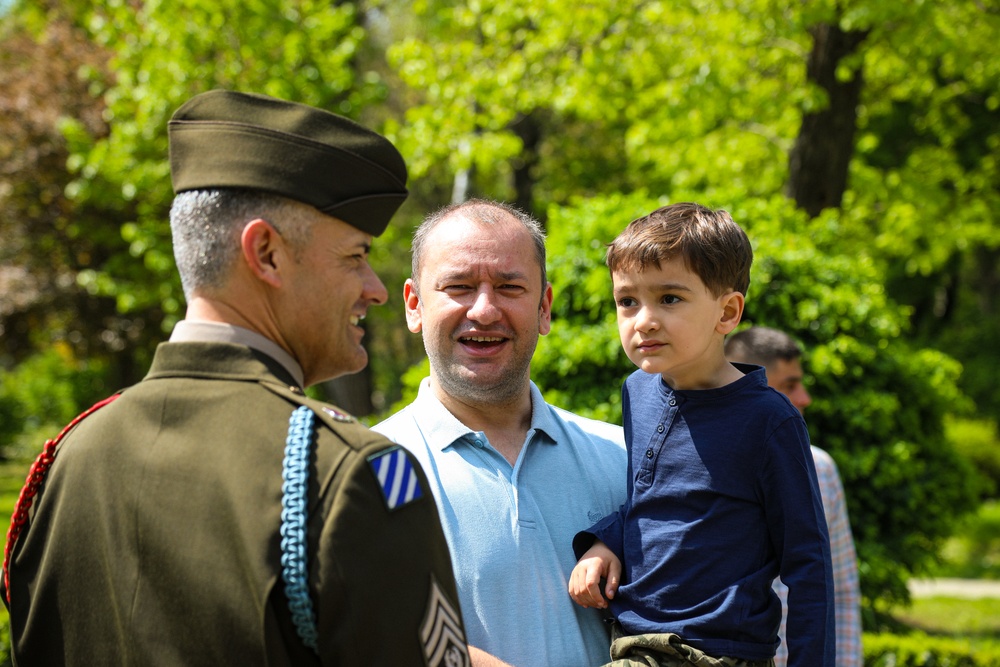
(785, 375)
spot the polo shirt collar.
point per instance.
(446, 429)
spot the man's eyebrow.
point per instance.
(511, 275)
(452, 276)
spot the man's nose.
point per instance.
(800, 398)
(484, 308)
(374, 289)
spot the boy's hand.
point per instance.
(599, 562)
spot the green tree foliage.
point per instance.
(308, 51)
(979, 442)
(709, 97)
(163, 53)
(635, 94)
(48, 238)
(157, 55)
(973, 552)
(43, 394)
(926, 178)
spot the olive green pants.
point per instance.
(666, 650)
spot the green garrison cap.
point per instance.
(225, 139)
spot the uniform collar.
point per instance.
(199, 331)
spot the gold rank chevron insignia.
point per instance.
(396, 477)
(441, 632)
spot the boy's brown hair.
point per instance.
(711, 244)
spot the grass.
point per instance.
(974, 551)
(12, 476)
(975, 620)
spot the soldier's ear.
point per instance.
(411, 301)
(264, 251)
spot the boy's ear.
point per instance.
(732, 312)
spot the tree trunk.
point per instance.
(528, 129)
(352, 393)
(822, 153)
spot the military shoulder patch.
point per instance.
(396, 477)
(441, 632)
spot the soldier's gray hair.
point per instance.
(206, 227)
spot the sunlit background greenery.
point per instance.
(857, 141)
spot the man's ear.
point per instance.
(732, 312)
(264, 251)
(545, 311)
(411, 301)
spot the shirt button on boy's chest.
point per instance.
(657, 437)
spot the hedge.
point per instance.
(920, 650)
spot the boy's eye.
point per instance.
(626, 302)
(670, 298)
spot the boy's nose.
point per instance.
(645, 320)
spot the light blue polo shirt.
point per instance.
(510, 528)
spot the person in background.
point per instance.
(781, 358)
(515, 478)
(688, 561)
(213, 514)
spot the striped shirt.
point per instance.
(847, 592)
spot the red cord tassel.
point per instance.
(36, 475)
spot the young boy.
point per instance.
(722, 492)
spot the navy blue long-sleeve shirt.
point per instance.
(722, 497)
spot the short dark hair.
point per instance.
(711, 244)
(482, 211)
(762, 346)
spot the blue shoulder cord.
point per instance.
(294, 517)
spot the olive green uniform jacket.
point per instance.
(155, 537)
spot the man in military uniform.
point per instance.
(213, 514)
